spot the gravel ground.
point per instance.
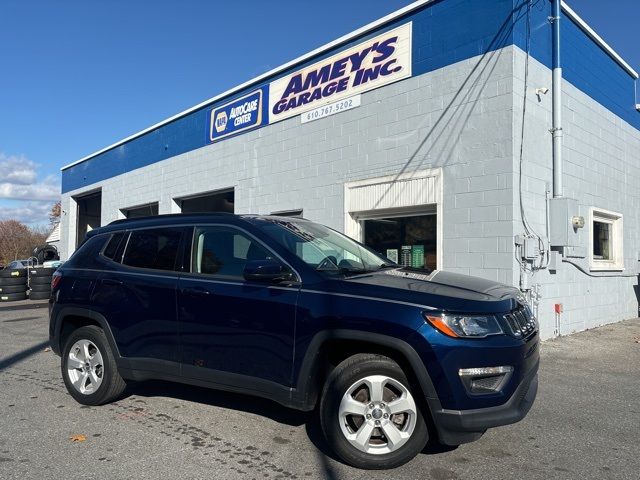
(585, 423)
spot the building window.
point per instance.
(605, 240)
(399, 216)
(148, 210)
(288, 213)
(410, 241)
(211, 202)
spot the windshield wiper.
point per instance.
(354, 271)
(358, 271)
(388, 265)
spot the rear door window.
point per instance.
(153, 248)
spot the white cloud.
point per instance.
(49, 189)
(18, 180)
(27, 212)
(27, 199)
(17, 170)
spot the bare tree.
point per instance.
(17, 241)
(13, 235)
(54, 214)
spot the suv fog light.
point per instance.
(485, 379)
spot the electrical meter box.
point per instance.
(563, 230)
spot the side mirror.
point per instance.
(266, 271)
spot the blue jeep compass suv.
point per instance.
(293, 311)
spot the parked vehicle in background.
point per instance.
(19, 264)
(52, 264)
(293, 311)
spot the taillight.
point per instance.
(55, 279)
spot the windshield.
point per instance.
(323, 248)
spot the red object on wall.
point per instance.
(558, 307)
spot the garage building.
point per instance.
(496, 138)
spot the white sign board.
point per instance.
(379, 61)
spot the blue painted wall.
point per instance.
(592, 70)
(444, 32)
(584, 63)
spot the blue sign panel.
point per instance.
(237, 116)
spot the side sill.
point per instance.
(148, 369)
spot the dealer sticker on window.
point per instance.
(331, 109)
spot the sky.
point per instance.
(78, 75)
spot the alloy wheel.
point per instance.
(85, 367)
(377, 414)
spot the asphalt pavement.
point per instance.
(585, 423)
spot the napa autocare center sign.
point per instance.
(241, 114)
(378, 61)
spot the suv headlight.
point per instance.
(469, 326)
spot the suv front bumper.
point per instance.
(462, 426)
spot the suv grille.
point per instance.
(522, 322)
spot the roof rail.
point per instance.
(172, 215)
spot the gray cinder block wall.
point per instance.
(601, 169)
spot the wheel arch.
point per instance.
(72, 318)
(328, 348)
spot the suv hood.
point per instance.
(438, 289)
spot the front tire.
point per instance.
(369, 415)
(89, 368)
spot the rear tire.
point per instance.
(386, 428)
(89, 368)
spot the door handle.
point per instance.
(112, 281)
(196, 292)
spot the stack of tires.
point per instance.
(13, 284)
(40, 283)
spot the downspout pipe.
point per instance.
(556, 129)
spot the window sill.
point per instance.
(607, 268)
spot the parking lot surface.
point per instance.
(585, 423)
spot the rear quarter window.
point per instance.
(85, 256)
(113, 246)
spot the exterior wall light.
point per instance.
(541, 91)
(577, 222)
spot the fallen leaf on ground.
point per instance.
(48, 349)
(78, 438)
